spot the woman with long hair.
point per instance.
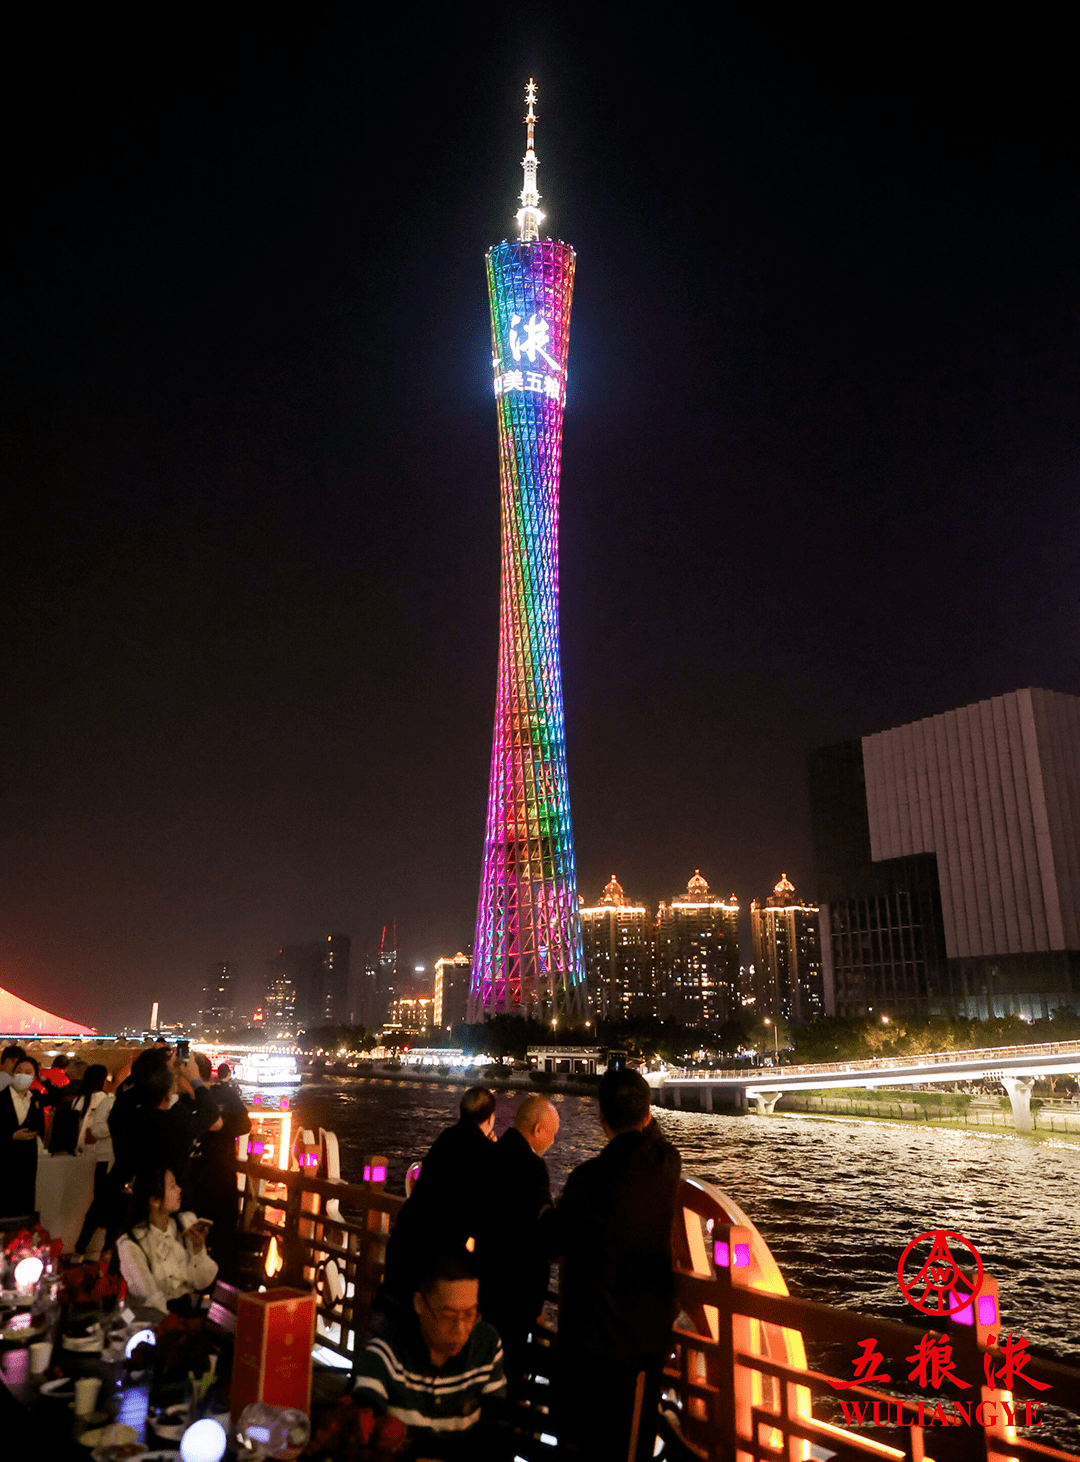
(163, 1253)
(91, 1108)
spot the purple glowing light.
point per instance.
(721, 1254)
(988, 1310)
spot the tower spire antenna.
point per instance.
(529, 215)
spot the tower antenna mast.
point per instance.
(529, 215)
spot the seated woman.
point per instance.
(163, 1255)
(22, 1126)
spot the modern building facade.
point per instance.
(413, 1015)
(787, 979)
(948, 862)
(452, 979)
(527, 955)
(697, 957)
(617, 937)
(312, 982)
(375, 984)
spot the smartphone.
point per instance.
(183, 1051)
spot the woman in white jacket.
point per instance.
(163, 1255)
(93, 1105)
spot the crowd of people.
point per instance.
(467, 1272)
(468, 1263)
(162, 1132)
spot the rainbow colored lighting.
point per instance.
(527, 956)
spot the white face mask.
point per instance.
(23, 1081)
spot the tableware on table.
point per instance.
(90, 1343)
(40, 1357)
(170, 1423)
(86, 1395)
(116, 1434)
(62, 1389)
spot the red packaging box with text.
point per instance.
(275, 1331)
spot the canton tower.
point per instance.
(527, 956)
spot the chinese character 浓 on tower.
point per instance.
(527, 958)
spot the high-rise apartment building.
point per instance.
(527, 956)
(948, 862)
(376, 983)
(787, 978)
(219, 998)
(617, 936)
(451, 991)
(279, 1007)
(697, 957)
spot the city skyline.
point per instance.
(818, 473)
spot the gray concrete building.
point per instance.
(948, 862)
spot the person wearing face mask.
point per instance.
(9, 1059)
(22, 1127)
(163, 1254)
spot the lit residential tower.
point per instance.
(527, 956)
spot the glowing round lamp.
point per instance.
(204, 1441)
(28, 1272)
(141, 1337)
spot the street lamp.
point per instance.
(776, 1039)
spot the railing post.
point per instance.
(293, 1254)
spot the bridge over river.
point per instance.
(1015, 1067)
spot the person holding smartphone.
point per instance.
(163, 1254)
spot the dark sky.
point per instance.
(819, 475)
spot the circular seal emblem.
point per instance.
(935, 1282)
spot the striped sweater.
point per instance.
(395, 1374)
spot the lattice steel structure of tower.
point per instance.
(527, 957)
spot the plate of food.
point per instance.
(112, 1443)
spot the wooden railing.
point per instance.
(738, 1384)
(324, 1233)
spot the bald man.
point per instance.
(515, 1281)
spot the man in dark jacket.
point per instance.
(613, 1227)
(514, 1281)
(451, 1202)
(213, 1167)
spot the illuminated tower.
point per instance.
(527, 957)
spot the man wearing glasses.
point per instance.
(440, 1369)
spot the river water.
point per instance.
(836, 1201)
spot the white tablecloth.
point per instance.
(65, 1187)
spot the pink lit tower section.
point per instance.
(527, 957)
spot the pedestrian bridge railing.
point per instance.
(990, 1056)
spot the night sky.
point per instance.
(819, 473)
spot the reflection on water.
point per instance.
(836, 1201)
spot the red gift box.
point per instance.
(275, 1331)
